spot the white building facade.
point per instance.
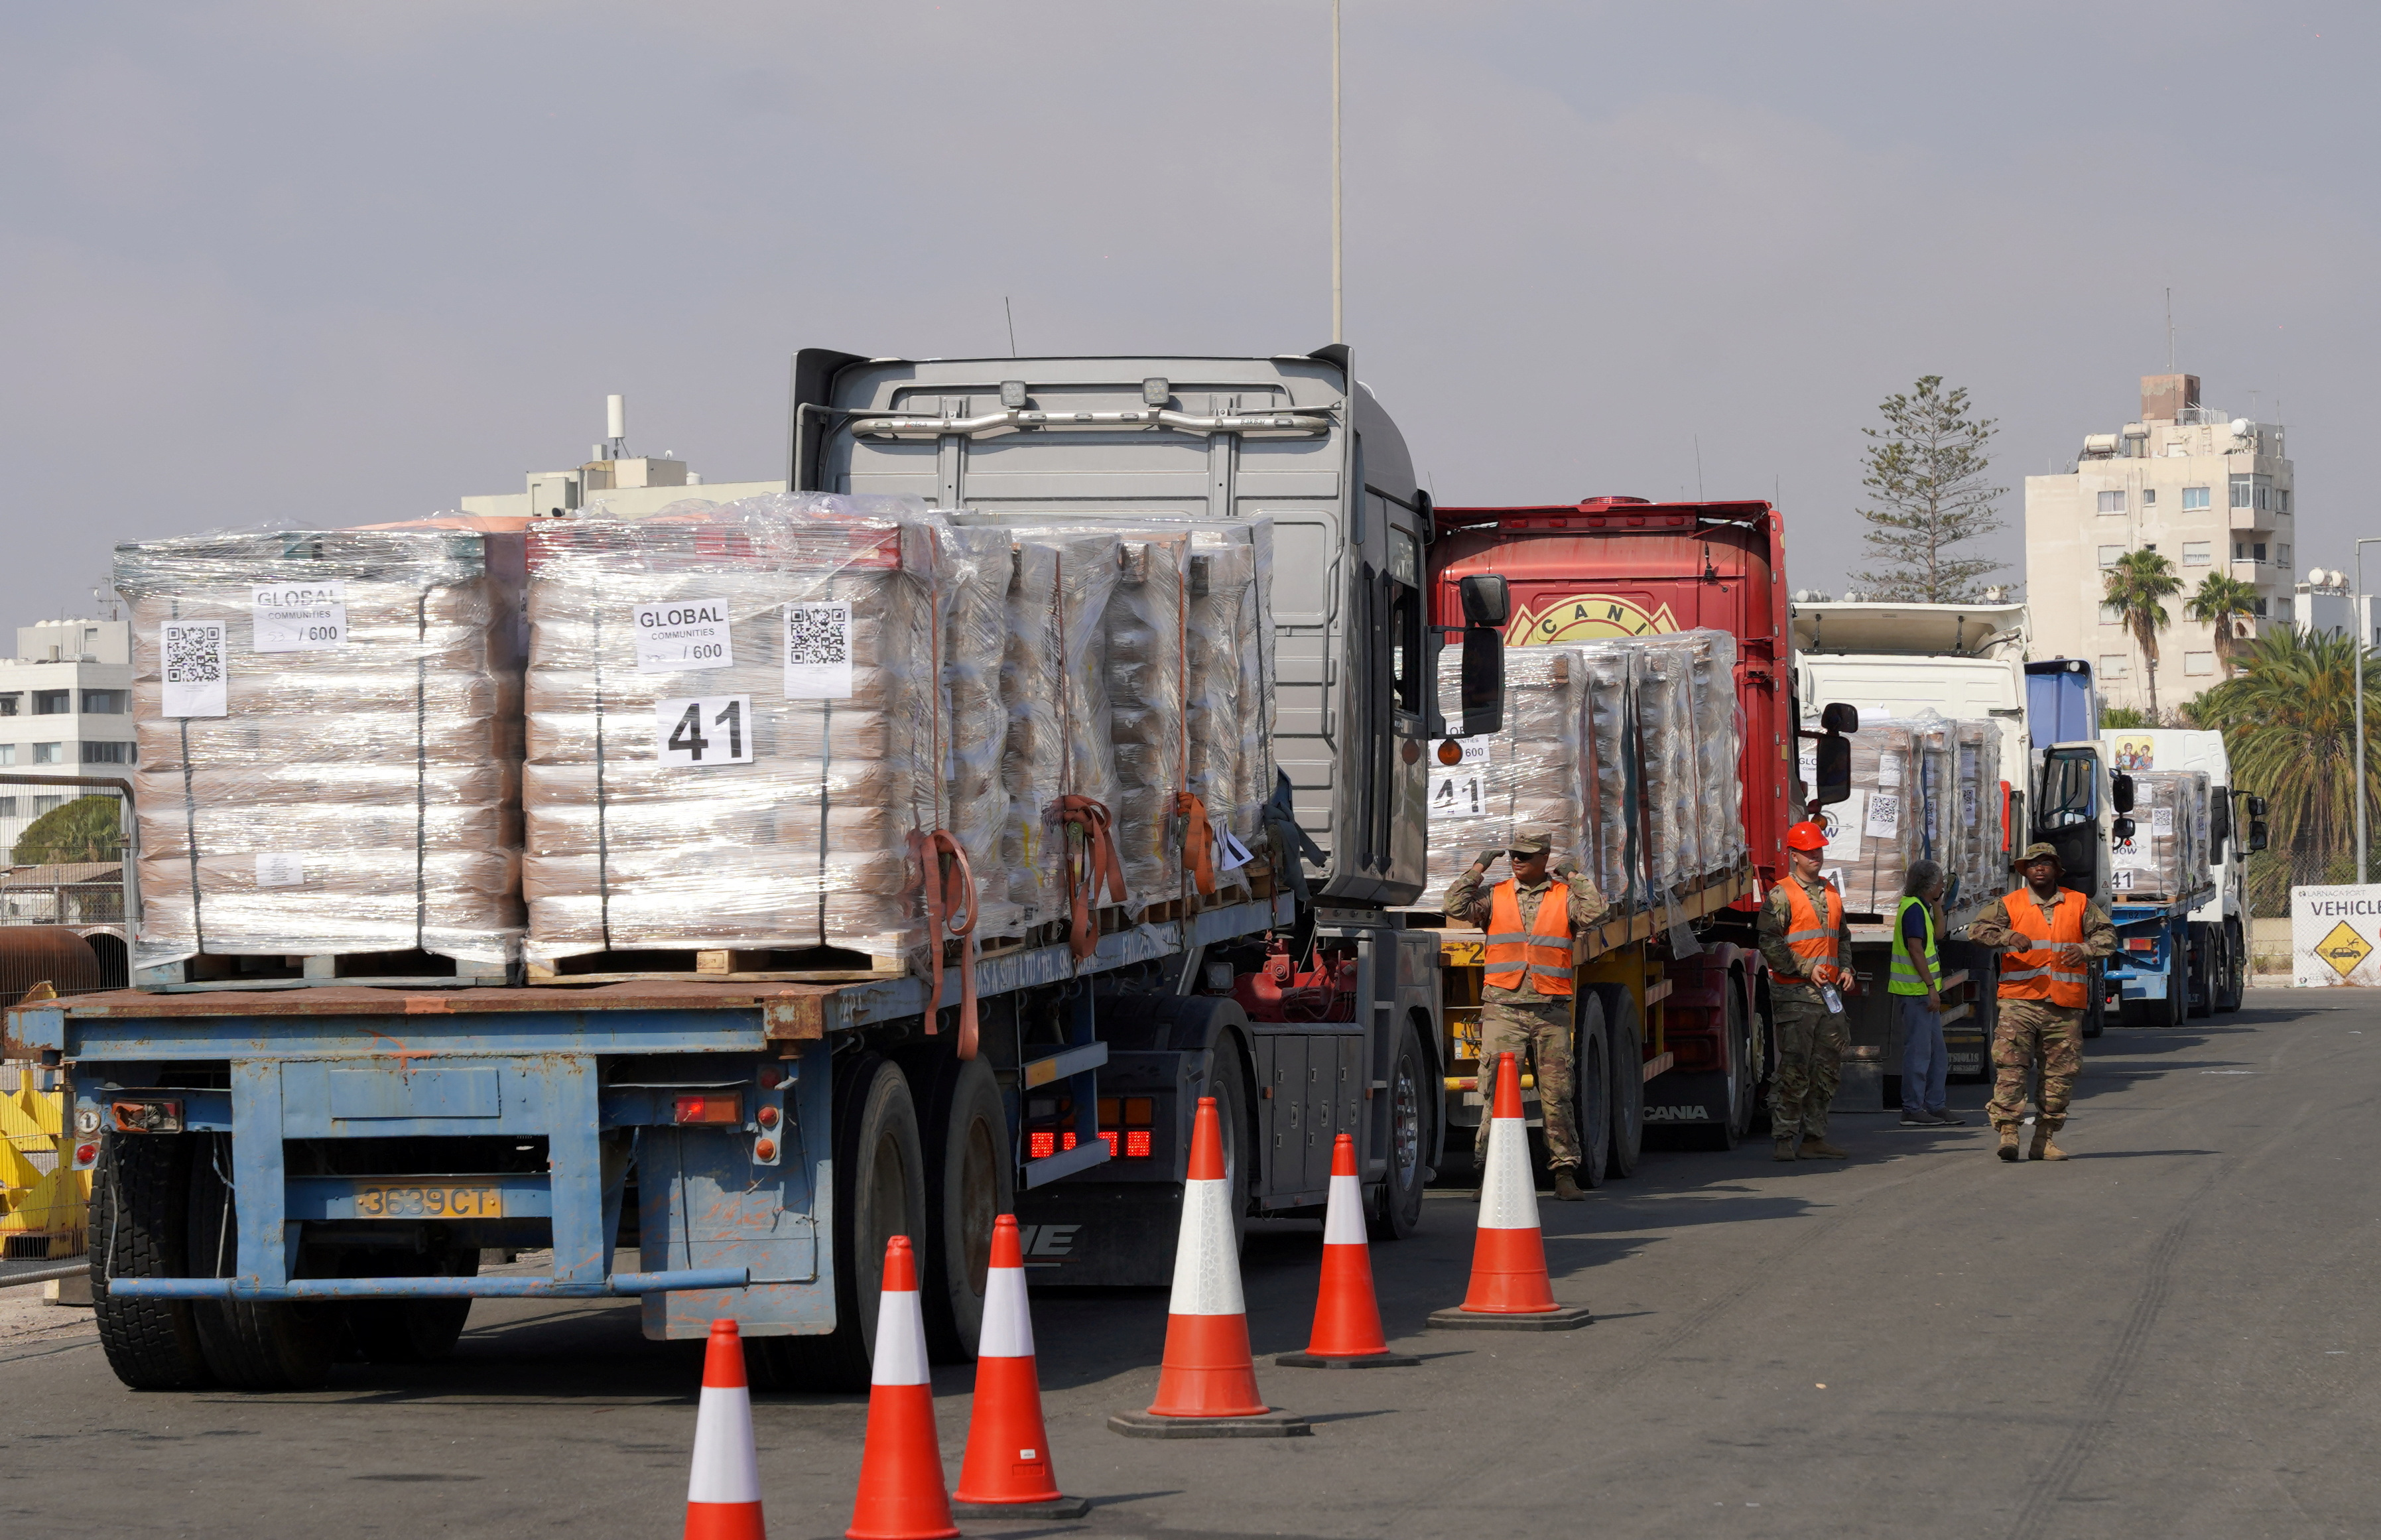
(66, 709)
(2210, 492)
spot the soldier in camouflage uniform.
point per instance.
(2034, 1026)
(1534, 1025)
(1805, 954)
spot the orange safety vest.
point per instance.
(1806, 936)
(1543, 951)
(2039, 975)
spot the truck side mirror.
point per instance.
(1487, 602)
(2120, 792)
(2122, 829)
(1835, 769)
(1483, 681)
(1837, 718)
(2256, 835)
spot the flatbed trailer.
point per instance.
(285, 1175)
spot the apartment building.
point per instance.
(66, 709)
(2211, 492)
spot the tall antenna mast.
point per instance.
(1338, 328)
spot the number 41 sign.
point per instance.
(712, 729)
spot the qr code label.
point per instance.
(818, 651)
(194, 668)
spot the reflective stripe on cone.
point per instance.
(723, 1486)
(901, 1495)
(1208, 1370)
(1008, 1458)
(1347, 1315)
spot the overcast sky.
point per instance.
(338, 262)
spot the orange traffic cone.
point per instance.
(1006, 1472)
(901, 1495)
(722, 1492)
(1509, 1288)
(1346, 1317)
(1207, 1382)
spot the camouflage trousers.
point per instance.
(1540, 1036)
(2031, 1032)
(1811, 1044)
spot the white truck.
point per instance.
(1964, 662)
(2217, 961)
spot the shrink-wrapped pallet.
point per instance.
(1982, 867)
(1054, 680)
(1220, 653)
(1611, 832)
(1247, 621)
(1665, 725)
(1874, 834)
(1718, 798)
(1935, 804)
(328, 743)
(1524, 776)
(2166, 857)
(741, 724)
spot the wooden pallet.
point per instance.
(778, 965)
(406, 969)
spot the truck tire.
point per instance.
(1625, 1027)
(1592, 1088)
(1224, 1075)
(2204, 968)
(1743, 1075)
(2095, 1008)
(140, 1228)
(1414, 1099)
(880, 1192)
(971, 1181)
(250, 1345)
(413, 1332)
(2236, 969)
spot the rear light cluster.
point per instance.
(2141, 943)
(1127, 1124)
(711, 1108)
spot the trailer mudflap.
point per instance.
(1081, 1232)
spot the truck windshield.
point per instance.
(2070, 787)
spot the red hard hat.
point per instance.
(1807, 835)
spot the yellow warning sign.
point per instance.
(2343, 949)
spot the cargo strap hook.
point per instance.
(950, 908)
(1101, 868)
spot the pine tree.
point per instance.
(1928, 472)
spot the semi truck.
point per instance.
(1964, 662)
(1673, 1042)
(2202, 968)
(287, 1174)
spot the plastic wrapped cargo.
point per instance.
(1054, 680)
(2167, 856)
(741, 722)
(328, 743)
(1874, 834)
(1610, 833)
(1666, 726)
(1220, 665)
(1525, 776)
(1982, 867)
(1719, 800)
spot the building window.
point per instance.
(47, 804)
(2198, 664)
(107, 753)
(110, 703)
(52, 702)
(2112, 502)
(47, 753)
(2257, 608)
(2249, 550)
(2109, 555)
(2149, 497)
(2193, 497)
(2111, 616)
(2281, 556)
(7, 807)
(9, 700)
(2113, 666)
(2197, 553)
(7, 753)
(2282, 610)
(2281, 499)
(2239, 492)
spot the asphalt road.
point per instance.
(2174, 1333)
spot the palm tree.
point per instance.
(2136, 582)
(2289, 723)
(2220, 602)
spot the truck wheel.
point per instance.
(140, 1228)
(2095, 1010)
(414, 1331)
(1743, 1075)
(971, 1181)
(880, 1192)
(2236, 969)
(1591, 1077)
(1626, 1029)
(1222, 1077)
(1414, 1098)
(251, 1345)
(2206, 969)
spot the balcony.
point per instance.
(2252, 519)
(2250, 572)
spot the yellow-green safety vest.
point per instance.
(1904, 979)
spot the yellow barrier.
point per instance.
(44, 1215)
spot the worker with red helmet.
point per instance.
(1804, 942)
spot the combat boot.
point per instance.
(2043, 1148)
(1783, 1149)
(2008, 1143)
(1815, 1148)
(1567, 1186)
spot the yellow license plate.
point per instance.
(415, 1201)
(1463, 954)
